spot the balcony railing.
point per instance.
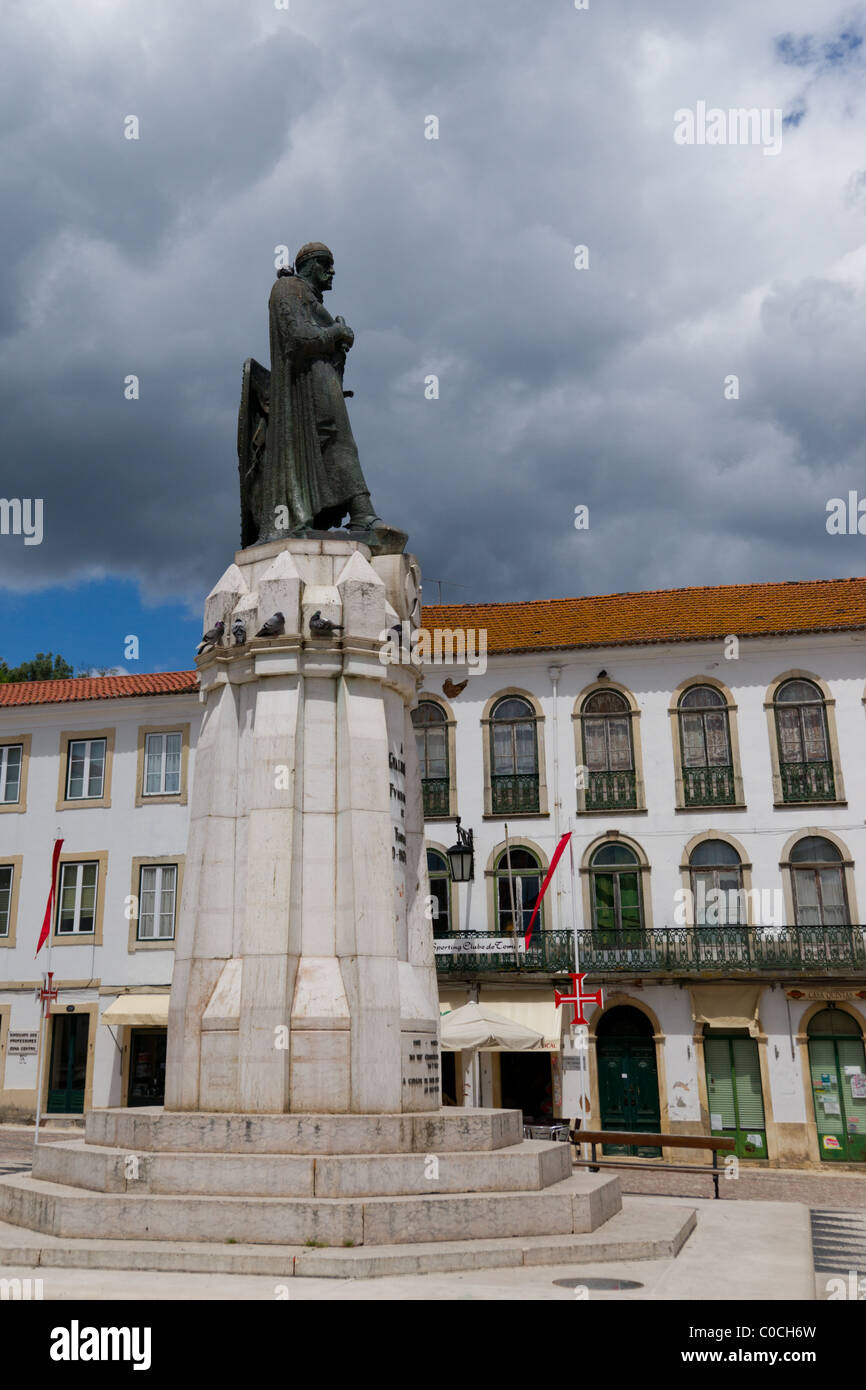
(708, 786)
(668, 950)
(437, 800)
(514, 793)
(611, 791)
(808, 782)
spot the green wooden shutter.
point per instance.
(853, 1107)
(720, 1081)
(822, 1064)
(750, 1101)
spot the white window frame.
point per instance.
(156, 917)
(162, 790)
(4, 929)
(89, 743)
(79, 884)
(5, 750)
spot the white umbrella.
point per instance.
(472, 1027)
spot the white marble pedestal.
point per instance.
(304, 977)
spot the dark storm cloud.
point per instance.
(558, 387)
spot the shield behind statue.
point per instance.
(252, 439)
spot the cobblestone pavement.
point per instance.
(830, 1190)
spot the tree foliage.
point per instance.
(44, 666)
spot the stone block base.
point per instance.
(321, 1180)
(461, 1130)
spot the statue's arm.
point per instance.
(303, 338)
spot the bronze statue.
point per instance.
(299, 468)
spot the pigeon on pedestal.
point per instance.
(274, 627)
(322, 627)
(211, 638)
(239, 632)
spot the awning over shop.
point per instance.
(478, 1028)
(534, 1008)
(138, 1011)
(726, 1006)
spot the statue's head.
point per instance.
(316, 264)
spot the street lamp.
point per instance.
(461, 857)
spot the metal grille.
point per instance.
(611, 791)
(708, 786)
(808, 782)
(514, 793)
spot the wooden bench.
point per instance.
(594, 1137)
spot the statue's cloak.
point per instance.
(303, 457)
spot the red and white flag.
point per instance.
(49, 909)
(557, 855)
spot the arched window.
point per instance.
(818, 883)
(617, 901)
(805, 760)
(705, 748)
(431, 739)
(519, 882)
(716, 881)
(440, 889)
(513, 757)
(608, 753)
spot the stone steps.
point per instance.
(528, 1166)
(643, 1230)
(577, 1204)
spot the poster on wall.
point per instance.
(858, 1087)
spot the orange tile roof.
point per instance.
(662, 615)
(96, 688)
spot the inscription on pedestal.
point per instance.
(421, 1066)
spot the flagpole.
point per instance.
(38, 1069)
(584, 1062)
(511, 895)
(44, 995)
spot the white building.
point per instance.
(105, 764)
(703, 746)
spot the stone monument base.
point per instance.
(302, 1180)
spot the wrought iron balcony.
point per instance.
(514, 793)
(611, 791)
(708, 786)
(666, 951)
(808, 782)
(437, 801)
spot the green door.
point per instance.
(734, 1093)
(67, 1068)
(627, 1079)
(837, 1066)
